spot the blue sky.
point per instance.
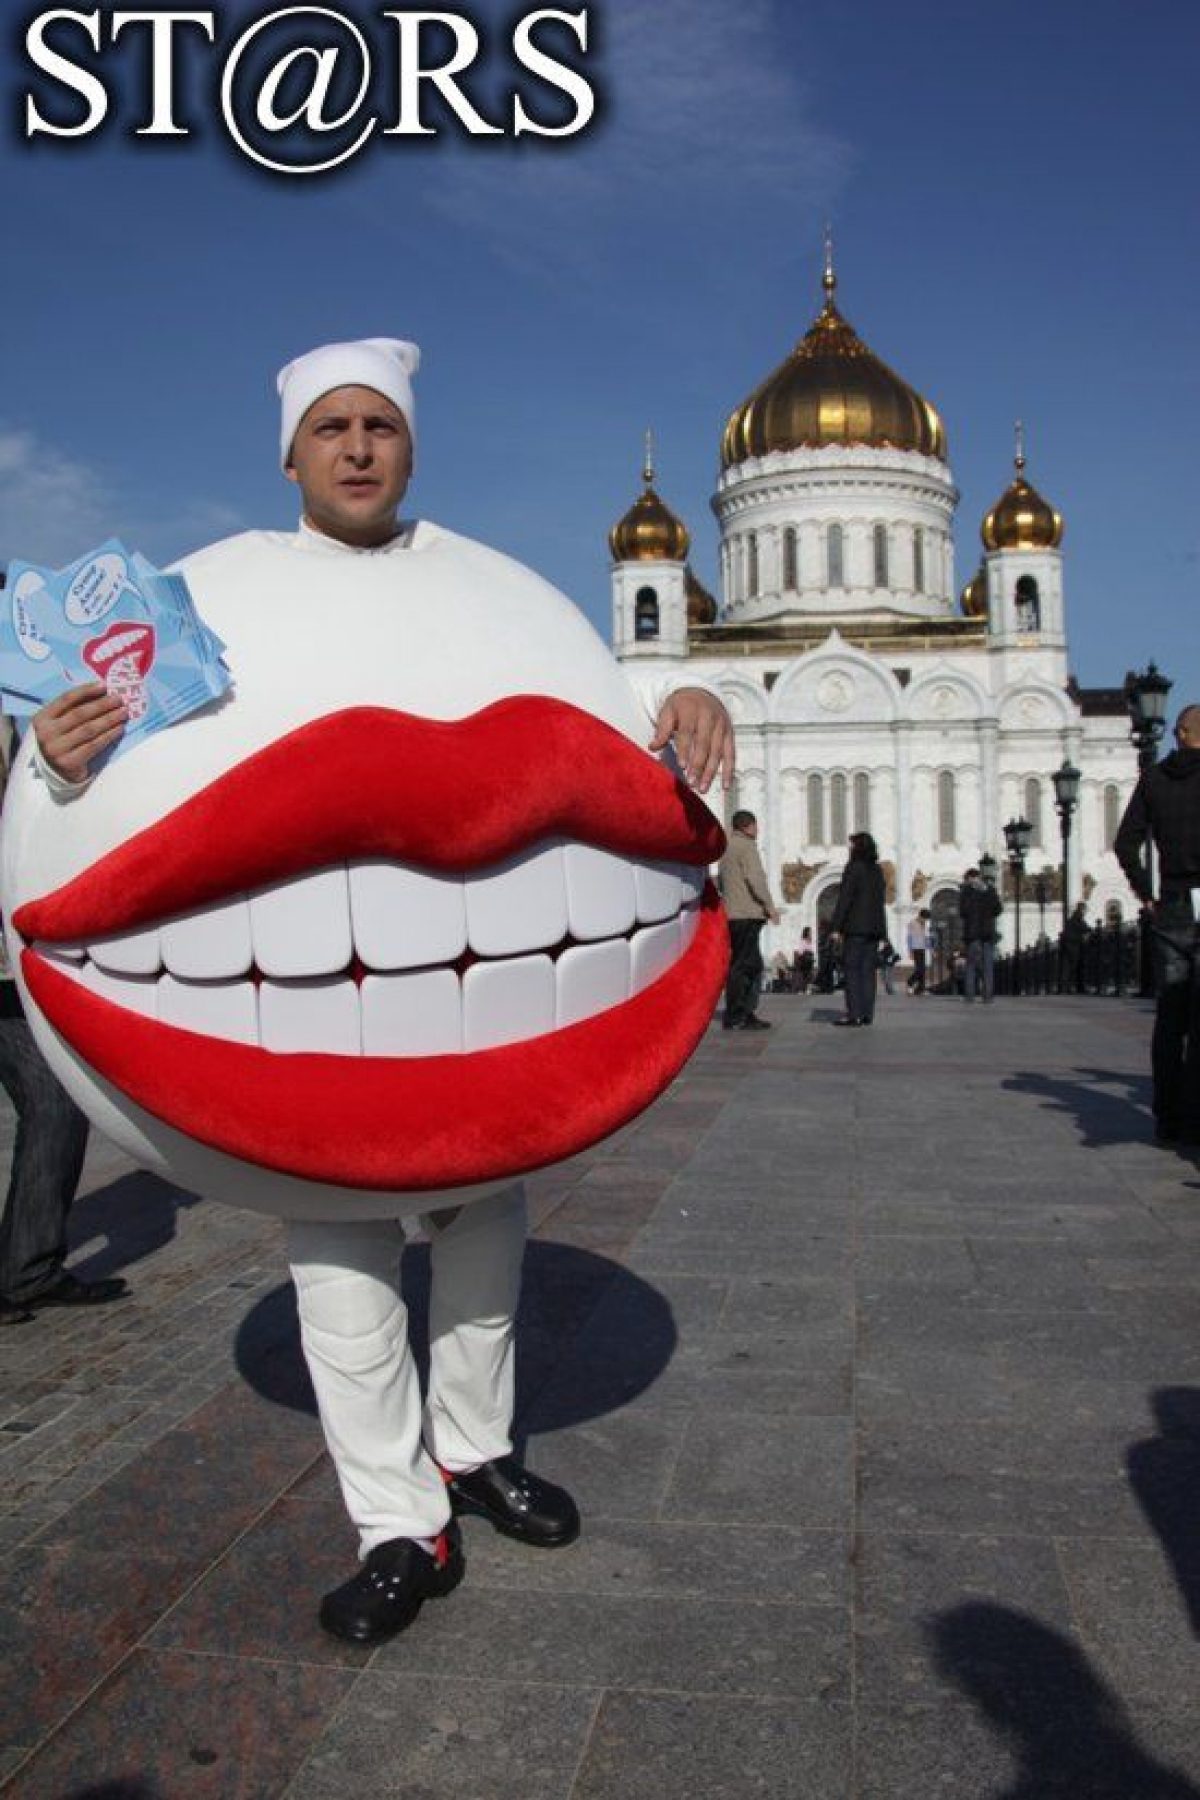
(1012, 192)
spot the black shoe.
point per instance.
(69, 1290)
(517, 1503)
(847, 1021)
(13, 1313)
(390, 1589)
(754, 1023)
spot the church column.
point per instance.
(773, 822)
(989, 788)
(904, 831)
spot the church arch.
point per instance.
(816, 809)
(1029, 604)
(862, 802)
(645, 614)
(837, 809)
(791, 564)
(1032, 806)
(918, 559)
(879, 544)
(947, 807)
(835, 556)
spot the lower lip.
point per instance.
(404, 1123)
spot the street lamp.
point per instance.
(1146, 702)
(1066, 799)
(1018, 834)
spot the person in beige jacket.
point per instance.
(748, 905)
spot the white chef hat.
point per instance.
(385, 364)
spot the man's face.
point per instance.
(1187, 729)
(352, 460)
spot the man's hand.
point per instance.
(75, 727)
(701, 730)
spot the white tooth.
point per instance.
(601, 900)
(64, 953)
(659, 890)
(301, 927)
(319, 1014)
(412, 1015)
(210, 944)
(224, 1009)
(653, 952)
(693, 880)
(129, 953)
(519, 904)
(590, 978)
(404, 918)
(504, 1002)
(689, 924)
(138, 993)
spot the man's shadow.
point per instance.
(134, 1215)
(1067, 1729)
(1101, 1116)
(561, 1289)
(1164, 1472)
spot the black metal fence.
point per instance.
(1109, 960)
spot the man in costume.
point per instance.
(347, 442)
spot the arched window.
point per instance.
(835, 556)
(881, 556)
(1112, 814)
(837, 809)
(862, 803)
(645, 614)
(752, 563)
(791, 575)
(1033, 810)
(918, 560)
(1029, 605)
(816, 810)
(947, 820)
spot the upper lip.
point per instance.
(370, 782)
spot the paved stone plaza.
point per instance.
(873, 1359)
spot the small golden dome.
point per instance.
(701, 607)
(649, 532)
(1021, 519)
(974, 597)
(832, 390)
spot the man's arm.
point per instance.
(696, 722)
(1129, 844)
(847, 890)
(760, 888)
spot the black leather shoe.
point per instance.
(69, 1290)
(390, 1589)
(847, 1021)
(11, 1313)
(754, 1023)
(517, 1503)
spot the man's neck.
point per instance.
(389, 536)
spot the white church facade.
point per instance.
(866, 692)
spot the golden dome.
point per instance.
(649, 532)
(974, 597)
(832, 390)
(1021, 519)
(701, 607)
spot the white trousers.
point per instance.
(385, 1446)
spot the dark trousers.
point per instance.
(916, 981)
(859, 955)
(46, 1165)
(1175, 1045)
(745, 969)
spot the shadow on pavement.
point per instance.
(1164, 1472)
(135, 1215)
(561, 1289)
(1067, 1730)
(1101, 1115)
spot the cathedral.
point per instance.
(867, 693)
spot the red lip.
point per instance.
(457, 795)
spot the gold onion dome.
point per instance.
(649, 532)
(1021, 519)
(974, 597)
(832, 390)
(701, 607)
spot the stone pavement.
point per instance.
(874, 1361)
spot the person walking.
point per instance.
(748, 906)
(1074, 937)
(859, 925)
(804, 963)
(979, 907)
(916, 941)
(1166, 806)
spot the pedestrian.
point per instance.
(405, 1463)
(748, 906)
(887, 960)
(859, 925)
(1166, 806)
(804, 963)
(978, 907)
(46, 1165)
(917, 944)
(1074, 937)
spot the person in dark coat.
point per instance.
(978, 907)
(1166, 806)
(859, 924)
(1074, 937)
